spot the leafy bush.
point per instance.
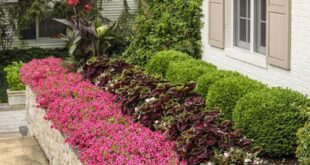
(12, 76)
(160, 62)
(225, 93)
(166, 25)
(205, 81)
(303, 149)
(188, 70)
(272, 117)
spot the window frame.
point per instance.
(254, 46)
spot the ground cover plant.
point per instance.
(91, 118)
(175, 109)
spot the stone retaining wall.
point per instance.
(11, 118)
(51, 141)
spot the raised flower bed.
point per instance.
(90, 120)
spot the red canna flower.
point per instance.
(73, 2)
(87, 8)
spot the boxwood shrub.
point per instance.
(205, 81)
(272, 117)
(189, 70)
(160, 62)
(225, 93)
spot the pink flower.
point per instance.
(87, 8)
(73, 2)
(91, 118)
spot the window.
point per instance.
(47, 27)
(250, 25)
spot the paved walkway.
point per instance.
(18, 150)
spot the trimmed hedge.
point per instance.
(225, 93)
(205, 81)
(272, 117)
(160, 62)
(189, 70)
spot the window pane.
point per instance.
(50, 28)
(260, 26)
(29, 33)
(263, 10)
(242, 23)
(243, 29)
(243, 8)
(263, 35)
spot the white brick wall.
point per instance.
(11, 120)
(255, 66)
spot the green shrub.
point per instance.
(225, 93)
(272, 117)
(303, 142)
(205, 81)
(182, 72)
(12, 76)
(23, 55)
(166, 25)
(160, 62)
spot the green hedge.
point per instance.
(23, 55)
(225, 93)
(160, 62)
(205, 81)
(272, 117)
(182, 72)
(166, 25)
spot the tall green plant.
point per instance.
(163, 25)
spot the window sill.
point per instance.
(245, 56)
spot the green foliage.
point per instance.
(160, 62)
(205, 81)
(303, 148)
(188, 70)
(163, 25)
(23, 55)
(225, 93)
(271, 117)
(12, 76)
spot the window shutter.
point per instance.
(216, 23)
(279, 32)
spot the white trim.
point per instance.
(252, 29)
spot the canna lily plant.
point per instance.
(86, 33)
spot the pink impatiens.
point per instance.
(91, 119)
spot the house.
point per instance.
(41, 34)
(267, 40)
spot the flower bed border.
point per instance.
(50, 140)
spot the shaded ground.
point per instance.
(18, 150)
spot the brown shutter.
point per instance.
(279, 32)
(216, 23)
